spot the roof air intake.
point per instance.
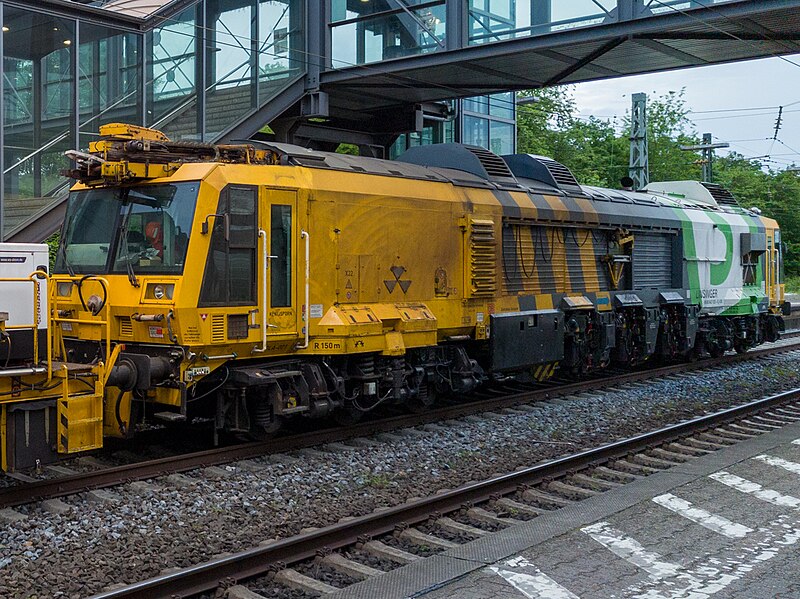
(542, 169)
(720, 194)
(471, 159)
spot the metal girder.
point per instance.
(746, 36)
(64, 8)
(661, 26)
(41, 226)
(670, 51)
(569, 60)
(499, 74)
(589, 58)
(639, 167)
(287, 98)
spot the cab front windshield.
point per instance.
(132, 229)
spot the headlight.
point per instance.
(160, 291)
(64, 289)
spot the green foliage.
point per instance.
(351, 149)
(792, 284)
(377, 481)
(597, 153)
(52, 247)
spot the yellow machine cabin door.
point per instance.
(771, 271)
(228, 294)
(279, 268)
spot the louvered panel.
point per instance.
(494, 165)
(217, 328)
(125, 326)
(721, 195)
(483, 262)
(652, 261)
(560, 173)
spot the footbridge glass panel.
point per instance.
(109, 79)
(38, 125)
(172, 76)
(365, 32)
(498, 20)
(194, 73)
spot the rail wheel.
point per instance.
(423, 400)
(347, 416)
(265, 423)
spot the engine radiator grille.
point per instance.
(218, 328)
(483, 262)
(125, 326)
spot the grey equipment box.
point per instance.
(521, 339)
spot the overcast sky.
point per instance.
(744, 98)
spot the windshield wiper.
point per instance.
(62, 253)
(62, 247)
(128, 264)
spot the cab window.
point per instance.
(230, 272)
(281, 248)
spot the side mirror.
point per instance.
(204, 226)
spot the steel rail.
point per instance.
(109, 477)
(256, 562)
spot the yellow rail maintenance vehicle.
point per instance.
(261, 282)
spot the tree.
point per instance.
(597, 154)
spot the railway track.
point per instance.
(67, 483)
(473, 510)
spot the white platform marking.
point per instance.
(756, 490)
(536, 585)
(706, 519)
(719, 572)
(631, 551)
(792, 467)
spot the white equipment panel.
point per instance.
(18, 261)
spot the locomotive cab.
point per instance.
(142, 230)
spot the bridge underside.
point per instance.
(362, 98)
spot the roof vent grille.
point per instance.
(494, 165)
(722, 196)
(561, 174)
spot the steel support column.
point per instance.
(317, 43)
(2, 127)
(202, 45)
(541, 15)
(708, 159)
(456, 23)
(255, 57)
(628, 10)
(639, 169)
(75, 120)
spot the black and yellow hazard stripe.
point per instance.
(542, 372)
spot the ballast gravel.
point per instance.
(139, 532)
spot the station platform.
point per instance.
(723, 525)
